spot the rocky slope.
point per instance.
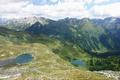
(22, 23)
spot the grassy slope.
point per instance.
(45, 66)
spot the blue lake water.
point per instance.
(78, 62)
(21, 59)
(24, 58)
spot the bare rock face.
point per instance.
(110, 74)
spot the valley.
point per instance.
(70, 49)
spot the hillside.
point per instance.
(77, 45)
(45, 64)
(87, 32)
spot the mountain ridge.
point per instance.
(84, 38)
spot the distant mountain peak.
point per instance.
(22, 23)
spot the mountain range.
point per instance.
(92, 34)
(95, 41)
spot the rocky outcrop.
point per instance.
(110, 74)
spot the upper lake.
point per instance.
(21, 59)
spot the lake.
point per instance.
(24, 58)
(79, 63)
(21, 59)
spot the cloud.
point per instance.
(54, 1)
(66, 8)
(107, 10)
(10, 1)
(100, 1)
(61, 8)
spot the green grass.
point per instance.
(46, 65)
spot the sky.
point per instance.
(58, 9)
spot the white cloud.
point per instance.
(53, 1)
(60, 10)
(100, 1)
(64, 8)
(79, 1)
(10, 1)
(107, 10)
(12, 8)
